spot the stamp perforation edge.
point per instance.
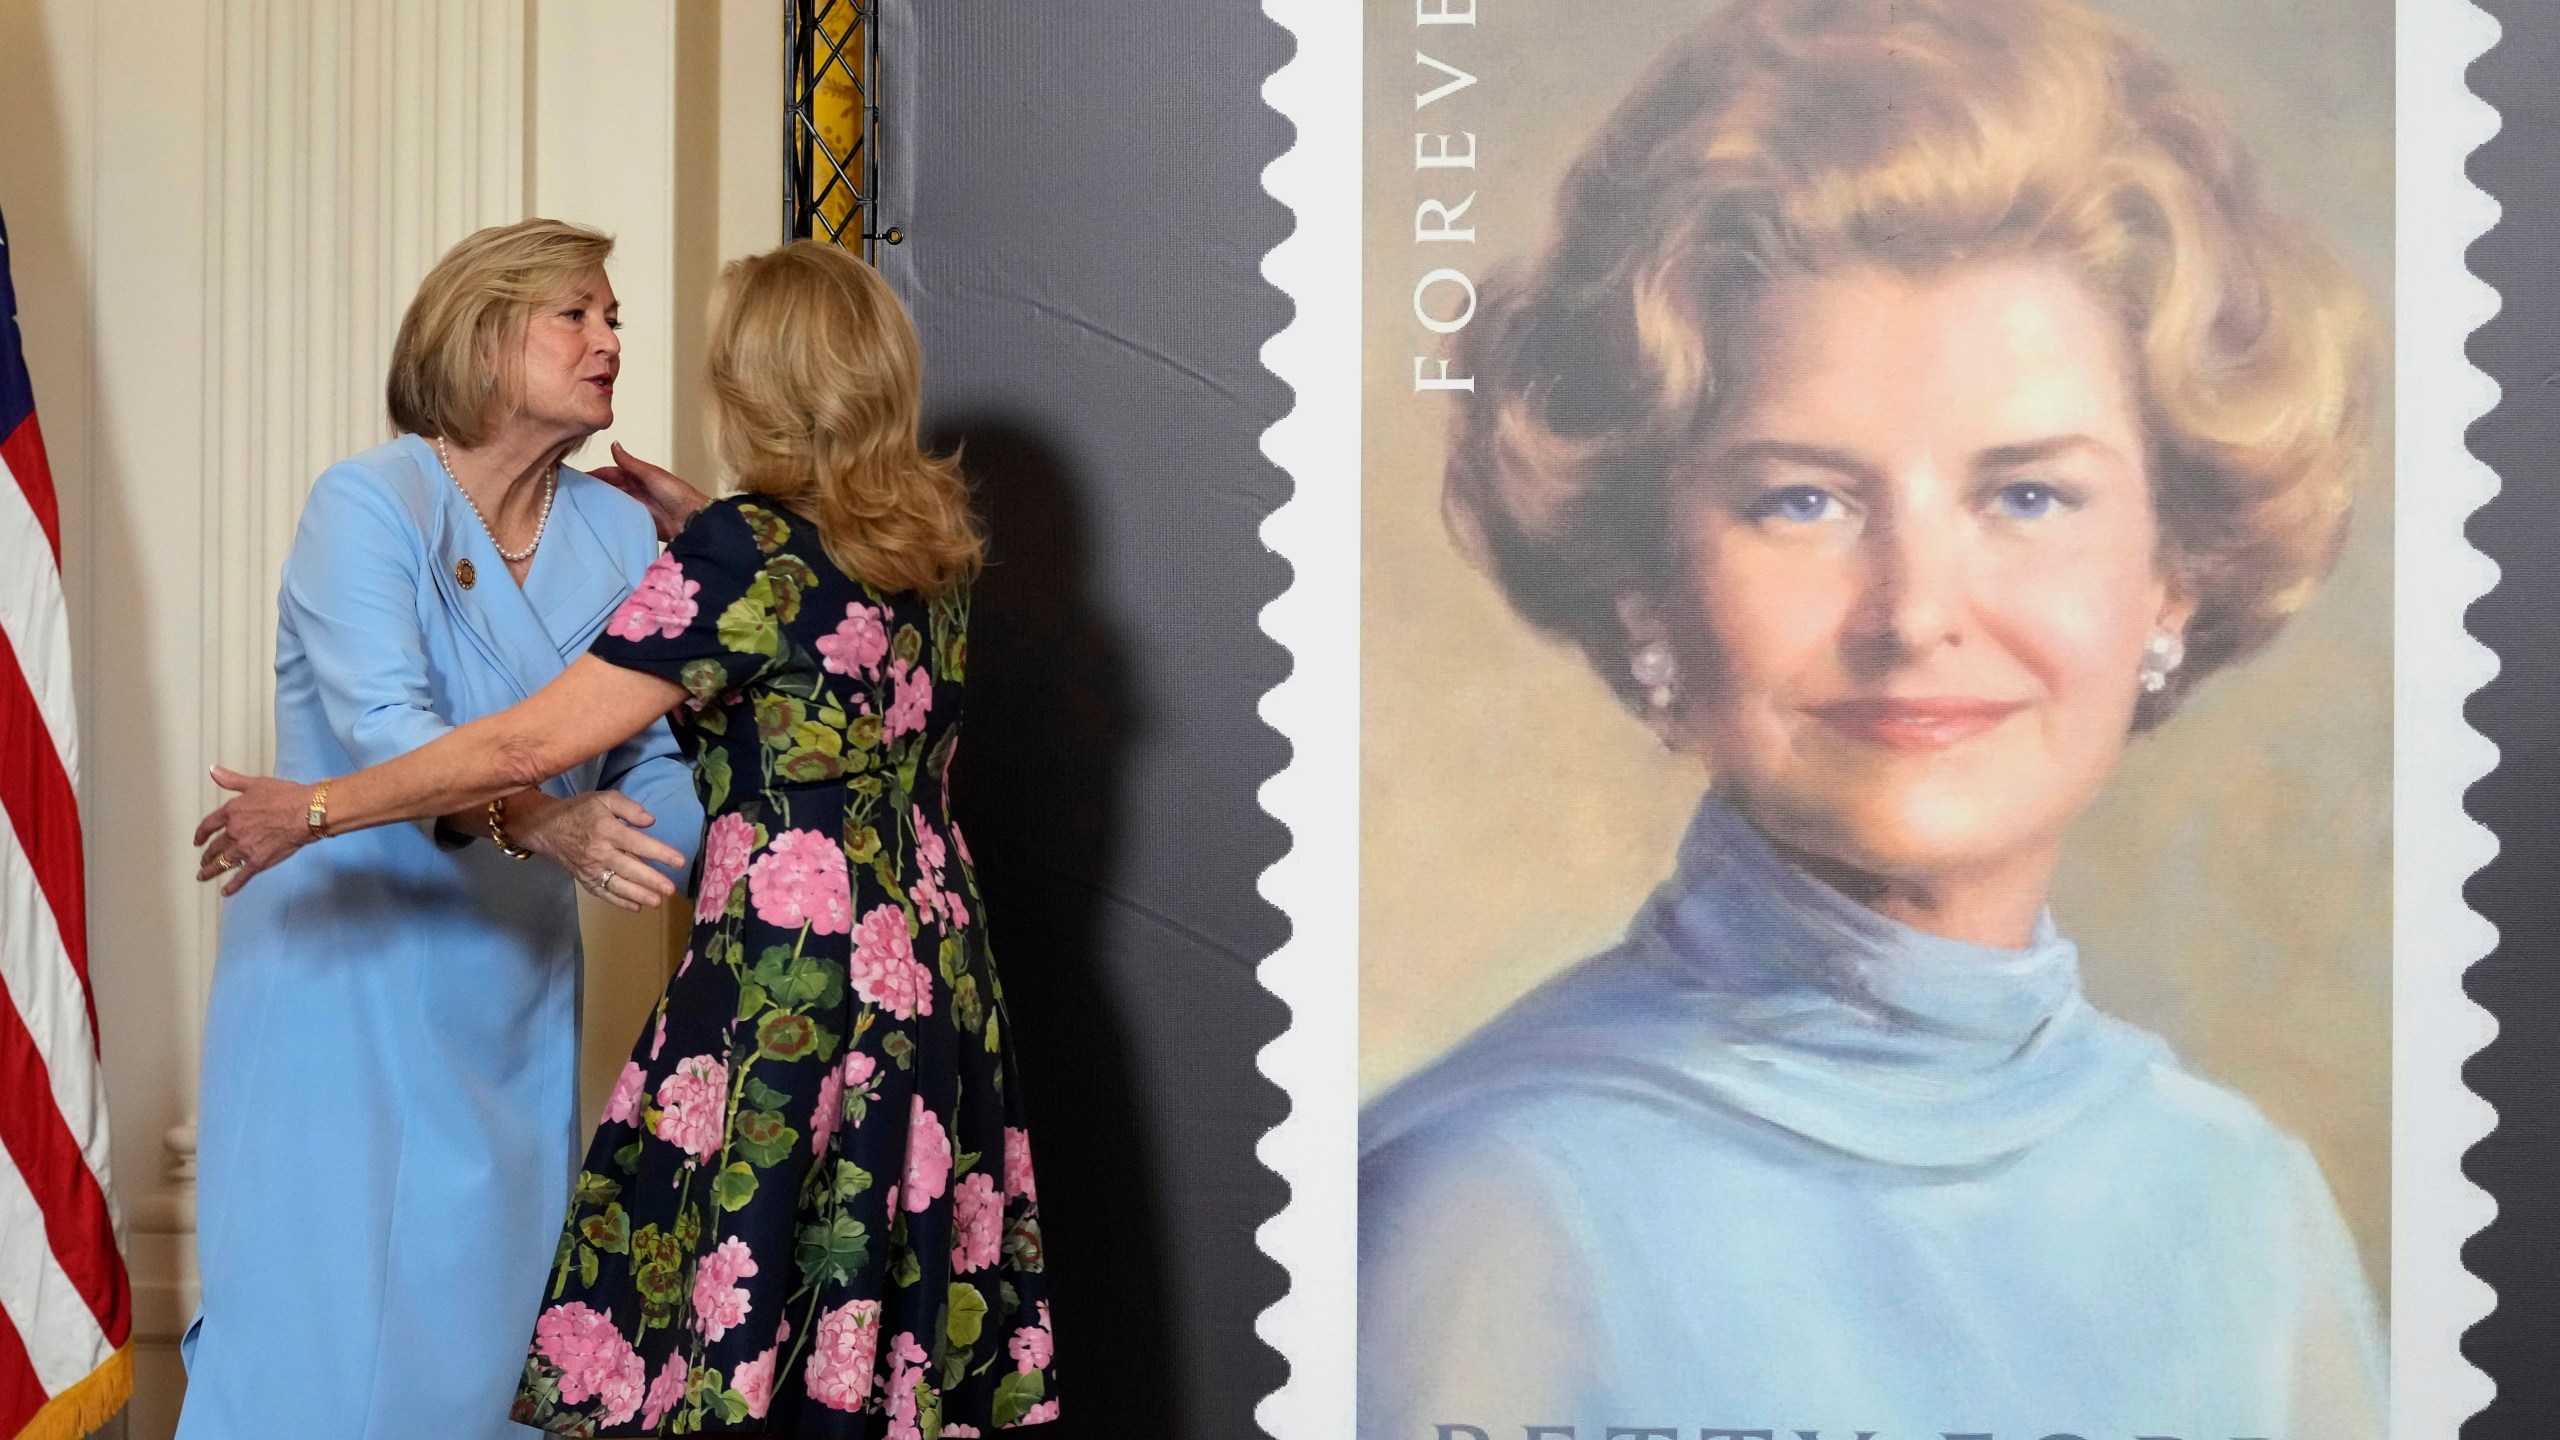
(2437, 755)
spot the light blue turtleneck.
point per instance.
(1777, 1164)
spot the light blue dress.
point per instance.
(1779, 1166)
(390, 1099)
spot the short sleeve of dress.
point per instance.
(703, 614)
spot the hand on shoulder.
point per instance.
(670, 500)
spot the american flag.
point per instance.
(66, 1308)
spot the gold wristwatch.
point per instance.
(316, 814)
(498, 832)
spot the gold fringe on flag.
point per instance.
(80, 1410)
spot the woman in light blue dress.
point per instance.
(1918, 401)
(390, 1105)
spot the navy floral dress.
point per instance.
(810, 1208)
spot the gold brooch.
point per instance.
(464, 574)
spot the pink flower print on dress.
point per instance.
(928, 1156)
(621, 1393)
(1041, 1413)
(725, 849)
(857, 643)
(906, 1367)
(913, 701)
(1032, 1345)
(690, 1103)
(662, 604)
(665, 1392)
(839, 1372)
(858, 1069)
(1017, 1164)
(959, 841)
(800, 879)
(931, 892)
(959, 1432)
(885, 969)
(594, 1360)
(977, 1223)
(624, 1107)
(852, 1074)
(659, 1042)
(829, 1114)
(927, 895)
(753, 1380)
(928, 843)
(719, 1301)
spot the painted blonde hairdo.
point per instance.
(816, 394)
(1789, 137)
(457, 362)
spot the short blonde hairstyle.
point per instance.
(816, 393)
(1790, 137)
(457, 362)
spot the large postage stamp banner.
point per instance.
(1878, 745)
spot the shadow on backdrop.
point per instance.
(1052, 719)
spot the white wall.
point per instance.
(217, 209)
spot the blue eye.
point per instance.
(2028, 500)
(1796, 504)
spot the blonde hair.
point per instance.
(815, 397)
(1789, 137)
(457, 363)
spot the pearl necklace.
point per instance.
(550, 487)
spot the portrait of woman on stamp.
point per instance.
(1918, 403)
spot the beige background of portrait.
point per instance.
(2232, 891)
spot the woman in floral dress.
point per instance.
(810, 1208)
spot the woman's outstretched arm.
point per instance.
(593, 706)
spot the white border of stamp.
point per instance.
(2437, 755)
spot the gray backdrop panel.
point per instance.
(1079, 187)
(2519, 1072)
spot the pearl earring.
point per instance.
(2162, 653)
(1656, 671)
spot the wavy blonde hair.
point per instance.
(457, 363)
(1790, 137)
(815, 398)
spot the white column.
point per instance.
(348, 144)
(604, 155)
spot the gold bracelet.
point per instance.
(316, 814)
(498, 832)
